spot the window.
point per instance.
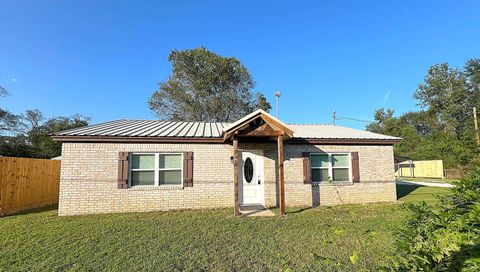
(156, 169)
(330, 167)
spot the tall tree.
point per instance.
(444, 128)
(32, 138)
(205, 86)
(8, 120)
(445, 92)
(381, 116)
(39, 133)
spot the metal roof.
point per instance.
(155, 128)
(317, 131)
(149, 128)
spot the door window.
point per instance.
(248, 170)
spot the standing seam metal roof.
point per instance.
(156, 128)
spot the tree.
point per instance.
(443, 130)
(205, 86)
(446, 94)
(32, 137)
(3, 91)
(381, 116)
(8, 120)
(39, 134)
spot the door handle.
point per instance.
(259, 180)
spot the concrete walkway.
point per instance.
(255, 210)
(428, 184)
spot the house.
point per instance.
(140, 165)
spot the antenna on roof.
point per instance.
(277, 97)
(334, 117)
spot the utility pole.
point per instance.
(334, 117)
(277, 97)
(475, 122)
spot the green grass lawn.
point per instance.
(419, 193)
(344, 238)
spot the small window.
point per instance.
(156, 169)
(330, 167)
(248, 170)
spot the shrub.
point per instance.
(443, 236)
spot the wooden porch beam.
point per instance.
(235, 175)
(281, 182)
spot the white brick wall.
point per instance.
(89, 178)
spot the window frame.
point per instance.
(156, 169)
(330, 166)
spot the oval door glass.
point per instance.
(248, 170)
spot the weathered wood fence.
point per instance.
(423, 169)
(27, 183)
(455, 173)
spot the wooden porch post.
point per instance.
(281, 183)
(235, 175)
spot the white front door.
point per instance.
(250, 175)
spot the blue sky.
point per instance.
(103, 59)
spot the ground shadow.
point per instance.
(404, 190)
(300, 210)
(34, 210)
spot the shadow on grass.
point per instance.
(33, 210)
(404, 190)
(299, 210)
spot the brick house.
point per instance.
(140, 165)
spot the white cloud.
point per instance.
(13, 80)
(386, 96)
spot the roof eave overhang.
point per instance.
(123, 139)
(343, 141)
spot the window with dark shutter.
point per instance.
(355, 167)
(188, 169)
(122, 180)
(307, 177)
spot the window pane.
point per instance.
(170, 177)
(340, 174)
(170, 161)
(143, 178)
(146, 161)
(340, 160)
(319, 174)
(320, 160)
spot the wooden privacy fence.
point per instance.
(420, 169)
(27, 183)
(455, 173)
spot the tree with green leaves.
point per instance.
(39, 132)
(445, 92)
(8, 120)
(30, 135)
(443, 129)
(205, 86)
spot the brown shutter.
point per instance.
(188, 169)
(355, 167)
(307, 175)
(122, 170)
